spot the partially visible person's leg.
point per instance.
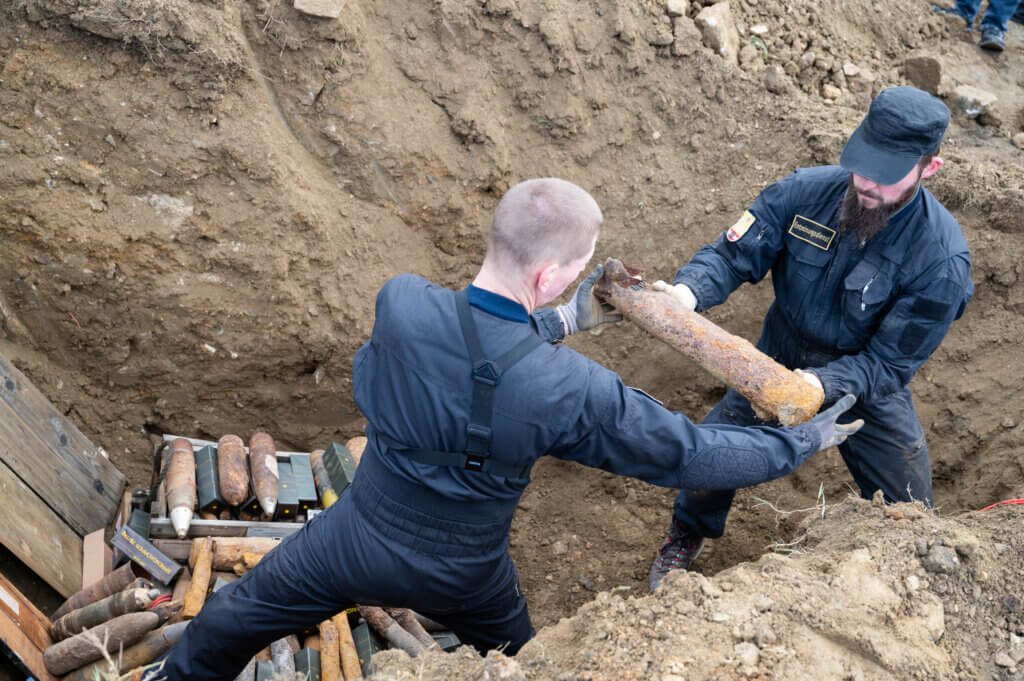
(890, 453)
(965, 9)
(697, 514)
(993, 24)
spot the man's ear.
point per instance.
(545, 281)
(931, 168)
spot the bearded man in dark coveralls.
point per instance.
(463, 392)
(869, 272)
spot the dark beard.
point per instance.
(863, 222)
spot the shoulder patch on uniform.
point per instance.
(736, 232)
(814, 233)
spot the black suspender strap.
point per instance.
(486, 377)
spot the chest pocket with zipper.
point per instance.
(799, 278)
(866, 297)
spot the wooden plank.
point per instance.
(38, 536)
(27, 616)
(86, 488)
(20, 649)
(160, 528)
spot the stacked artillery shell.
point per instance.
(323, 481)
(265, 477)
(232, 470)
(347, 648)
(123, 602)
(153, 645)
(201, 563)
(407, 620)
(111, 583)
(281, 655)
(774, 391)
(181, 486)
(391, 630)
(86, 647)
(330, 660)
(355, 446)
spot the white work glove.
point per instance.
(811, 378)
(680, 292)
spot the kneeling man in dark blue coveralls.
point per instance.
(463, 392)
(869, 271)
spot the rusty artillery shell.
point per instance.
(232, 470)
(330, 655)
(151, 646)
(77, 621)
(202, 566)
(181, 486)
(323, 481)
(265, 477)
(111, 583)
(282, 657)
(83, 648)
(407, 620)
(774, 391)
(391, 630)
(356, 446)
(350, 668)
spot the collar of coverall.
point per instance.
(499, 306)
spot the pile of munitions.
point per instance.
(222, 507)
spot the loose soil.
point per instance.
(201, 199)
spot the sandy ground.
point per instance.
(200, 200)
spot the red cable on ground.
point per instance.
(1002, 503)
(163, 598)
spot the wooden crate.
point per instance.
(56, 487)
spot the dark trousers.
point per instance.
(997, 13)
(889, 453)
(341, 558)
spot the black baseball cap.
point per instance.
(903, 124)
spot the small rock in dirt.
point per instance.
(765, 636)
(1018, 141)
(1003, 660)
(764, 604)
(497, 666)
(913, 583)
(559, 548)
(850, 70)
(775, 79)
(921, 546)
(719, 31)
(972, 101)
(661, 35)
(1013, 603)
(830, 91)
(328, 9)
(924, 72)
(747, 654)
(941, 559)
(677, 8)
(687, 37)
(759, 29)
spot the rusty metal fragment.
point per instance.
(774, 391)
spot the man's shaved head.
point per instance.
(543, 220)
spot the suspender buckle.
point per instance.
(474, 462)
(478, 432)
(485, 372)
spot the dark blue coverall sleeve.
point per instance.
(629, 433)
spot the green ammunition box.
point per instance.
(447, 640)
(161, 568)
(139, 521)
(265, 671)
(287, 500)
(367, 643)
(341, 467)
(251, 505)
(307, 661)
(208, 481)
(305, 486)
